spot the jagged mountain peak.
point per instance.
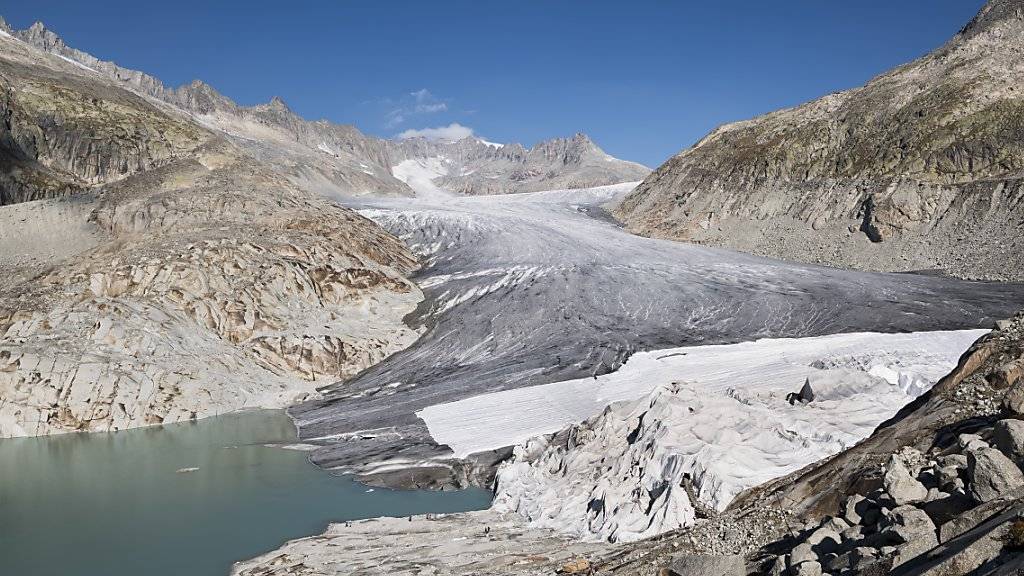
(581, 138)
(278, 103)
(474, 166)
(42, 36)
(571, 150)
(994, 14)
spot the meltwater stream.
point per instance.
(113, 504)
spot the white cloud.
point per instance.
(451, 132)
(394, 118)
(417, 102)
(431, 108)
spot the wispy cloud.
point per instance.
(451, 132)
(427, 103)
(417, 103)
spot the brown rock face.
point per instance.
(918, 169)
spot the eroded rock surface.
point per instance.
(183, 279)
(468, 544)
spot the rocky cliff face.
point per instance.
(896, 175)
(322, 156)
(55, 140)
(474, 167)
(182, 278)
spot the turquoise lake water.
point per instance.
(113, 504)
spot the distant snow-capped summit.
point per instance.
(475, 166)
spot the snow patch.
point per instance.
(772, 366)
(419, 174)
(75, 63)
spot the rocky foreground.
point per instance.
(920, 169)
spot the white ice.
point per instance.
(714, 414)
(768, 366)
(419, 174)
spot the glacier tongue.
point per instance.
(528, 289)
(713, 417)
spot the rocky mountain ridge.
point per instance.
(472, 166)
(337, 159)
(323, 156)
(920, 169)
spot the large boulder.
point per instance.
(807, 569)
(991, 474)
(907, 524)
(801, 553)
(969, 551)
(1006, 375)
(942, 510)
(1013, 401)
(901, 485)
(853, 508)
(706, 565)
(910, 530)
(1008, 437)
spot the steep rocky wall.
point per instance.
(889, 176)
(62, 133)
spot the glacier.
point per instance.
(535, 288)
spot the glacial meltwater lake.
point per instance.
(113, 504)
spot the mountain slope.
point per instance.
(57, 140)
(894, 175)
(320, 156)
(167, 274)
(474, 167)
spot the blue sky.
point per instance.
(644, 78)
